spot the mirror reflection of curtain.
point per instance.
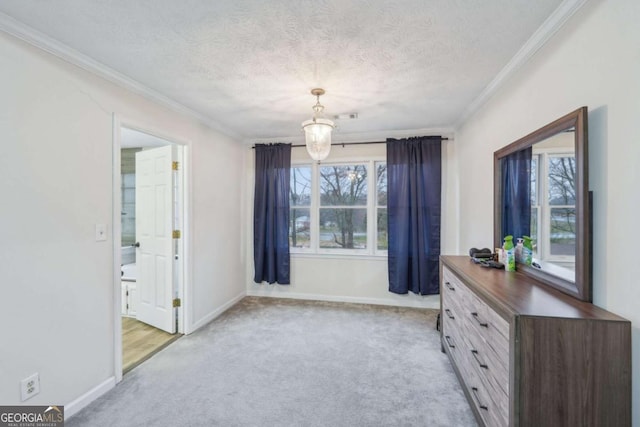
(516, 196)
(271, 213)
(413, 208)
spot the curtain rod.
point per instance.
(349, 143)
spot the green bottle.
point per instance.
(527, 250)
(509, 254)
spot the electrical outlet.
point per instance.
(30, 386)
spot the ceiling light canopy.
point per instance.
(317, 131)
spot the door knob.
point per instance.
(137, 244)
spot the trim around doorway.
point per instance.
(184, 280)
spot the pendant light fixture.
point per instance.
(317, 131)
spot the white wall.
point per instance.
(56, 184)
(594, 61)
(332, 277)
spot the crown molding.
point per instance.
(542, 35)
(35, 38)
(338, 137)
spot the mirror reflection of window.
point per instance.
(553, 211)
(562, 206)
(535, 204)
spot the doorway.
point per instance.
(149, 251)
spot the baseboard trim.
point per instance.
(217, 312)
(431, 303)
(83, 401)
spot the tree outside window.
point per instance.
(562, 202)
(343, 206)
(331, 207)
(553, 200)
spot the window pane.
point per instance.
(128, 213)
(128, 195)
(299, 236)
(128, 180)
(534, 229)
(343, 185)
(562, 187)
(534, 179)
(128, 224)
(381, 183)
(300, 193)
(343, 228)
(563, 231)
(382, 229)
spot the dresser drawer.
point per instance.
(483, 360)
(490, 404)
(499, 326)
(452, 322)
(477, 339)
(453, 286)
(454, 344)
(492, 329)
(494, 375)
(454, 293)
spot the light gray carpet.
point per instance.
(276, 362)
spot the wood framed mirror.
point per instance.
(541, 189)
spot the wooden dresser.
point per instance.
(528, 355)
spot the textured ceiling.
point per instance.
(249, 65)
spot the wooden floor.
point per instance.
(141, 341)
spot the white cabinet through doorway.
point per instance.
(129, 298)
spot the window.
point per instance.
(343, 207)
(562, 205)
(535, 204)
(381, 204)
(128, 195)
(332, 206)
(553, 211)
(128, 203)
(300, 206)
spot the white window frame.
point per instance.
(314, 211)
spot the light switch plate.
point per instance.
(101, 232)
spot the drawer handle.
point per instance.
(448, 338)
(449, 315)
(475, 316)
(448, 285)
(475, 394)
(475, 356)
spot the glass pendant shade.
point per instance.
(317, 134)
(317, 131)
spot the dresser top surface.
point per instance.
(513, 293)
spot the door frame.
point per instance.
(184, 285)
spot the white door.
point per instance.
(154, 234)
